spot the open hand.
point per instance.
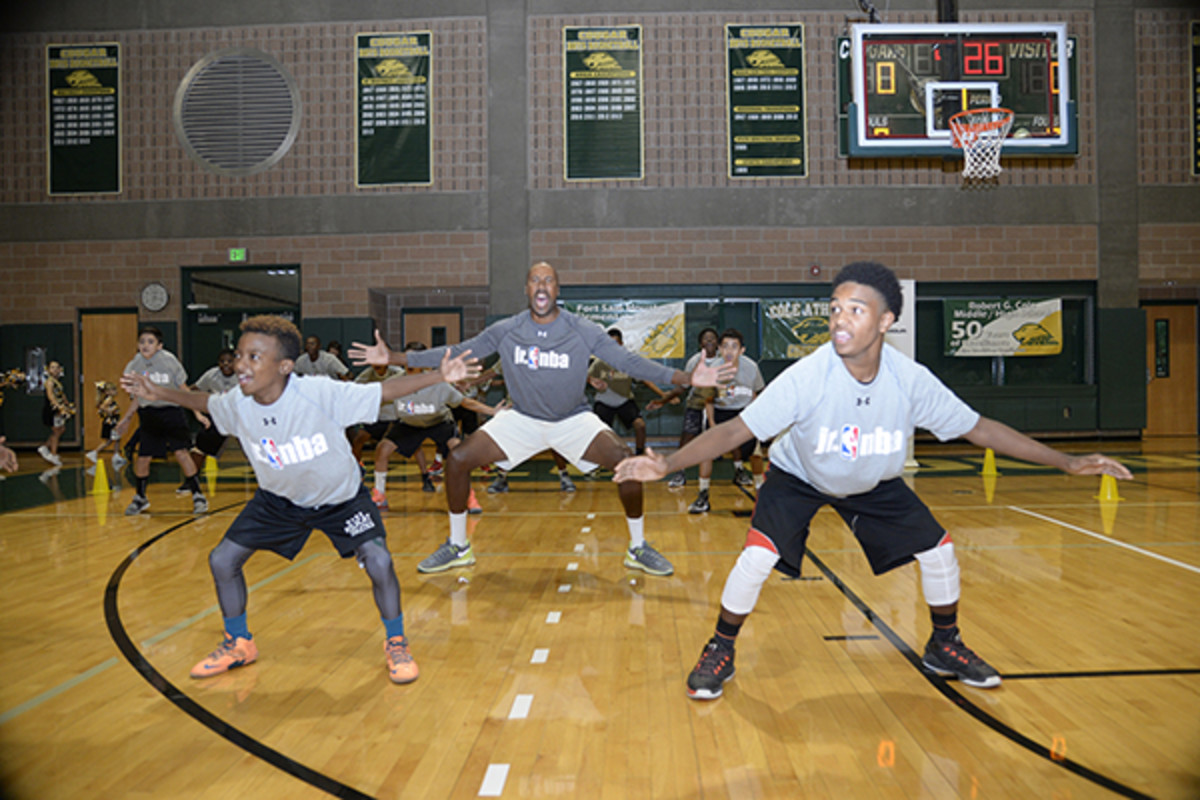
(1096, 464)
(377, 355)
(648, 467)
(138, 385)
(458, 368)
(704, 375)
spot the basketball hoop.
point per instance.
(980, 132)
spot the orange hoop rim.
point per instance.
(980, 127)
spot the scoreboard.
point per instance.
(906, 81)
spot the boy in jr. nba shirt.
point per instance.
(292, 429)
(844, 415)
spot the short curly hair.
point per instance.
(878, 277)
(284, 332)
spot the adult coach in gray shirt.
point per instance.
(545, 353)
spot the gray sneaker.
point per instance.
(499, 485)
(447, 557)
(119, 461)
(742, 477)
(700, 504)
(199, 504)
(136, 507)
(649, 560)
(677, 481)
(565, 483)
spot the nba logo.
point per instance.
(268, 446)
(849, 442)
(531, 360)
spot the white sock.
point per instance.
(458, 529)
(637, 531)
(380, 481)
(704, 483)
(759, 480)
(737, 464)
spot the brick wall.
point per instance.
(770, 255)
(319, 57)
(685, 114)
(47, 282)
(1164, 84)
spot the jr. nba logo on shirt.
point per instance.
(537, 358)
(849, 442)
(271, 452)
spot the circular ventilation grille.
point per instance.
(237, 111)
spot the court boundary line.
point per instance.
(237, 737)
(1105, 539)
(962, 702)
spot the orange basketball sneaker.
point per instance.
(473, 506)
(401, 667)
(232, 653)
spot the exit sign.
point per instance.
(237, 255)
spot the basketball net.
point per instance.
(980, 132)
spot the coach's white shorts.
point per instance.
(521, 437)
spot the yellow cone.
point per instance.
(101, 503)
(210, 465)
(1108, 489)
(100, 484)
(989, 463)
(1108, 515)
(989, 486)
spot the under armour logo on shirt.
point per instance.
(863, 401)
(541, 334)
(269, 421)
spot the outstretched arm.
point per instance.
(704, 375)
(8, 459)
(451, 370)
(377, 355)
(141, 388)
(705, 447)
(1006, 441)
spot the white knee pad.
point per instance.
(939, 575)
(745, 580)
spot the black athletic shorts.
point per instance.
(210, 441)
(468, 420)
(408, 438)
(627, 412)
(271, 522)
(746, 448)
(377, 430)
(890, 522)
(693, 421)
(164, 430)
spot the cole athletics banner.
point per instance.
(1003, 327)
(650, 328)
(793, 327)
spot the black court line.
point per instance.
(953, 695)
(851, 638)
(1101, 673)
(189, 706)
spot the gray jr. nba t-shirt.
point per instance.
(162, 369)
(845, 436)
(545, 366)
(429, 406)
(297, 445)
(738, 393)
(214, 381)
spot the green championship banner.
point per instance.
(394, 144)
(83, 114)
(602, 83)
(793, 327)
(1003, 327)
(765, 101)
(1195, 97)
(650, 328)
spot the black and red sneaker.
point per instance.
(952, 658)
(710, 673)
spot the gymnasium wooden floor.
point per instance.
(549, 670)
